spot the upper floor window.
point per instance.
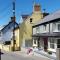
(44, 26)
(37, 29)
(58, 26)
(31, 20)
(54, 26)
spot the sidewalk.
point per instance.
(24, 54)
(41, 52)
(35, 54)
(38, 53)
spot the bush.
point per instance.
(49, 52)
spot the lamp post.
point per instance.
(13, 25)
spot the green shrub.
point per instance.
(49, 52)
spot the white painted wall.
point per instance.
(8, 35)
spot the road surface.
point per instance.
(21, 56)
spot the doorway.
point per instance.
(58, 43)
(45, 43)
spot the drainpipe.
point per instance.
(58, 52)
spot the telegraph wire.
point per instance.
(6, 11)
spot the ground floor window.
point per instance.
(58, 43)
(34, 41)
(52, 43)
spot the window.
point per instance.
(34, 41)
(45, 27)
(37, 29)
(58, 43)
(58, 26)
(30, 20)
(54, 26)
(52, 43)
(7, 43)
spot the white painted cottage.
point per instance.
(6, 33)
(46, 33)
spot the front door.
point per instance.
(58, 43)
(45, 43)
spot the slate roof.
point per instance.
(8, 25)
(49, 17)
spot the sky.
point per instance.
(25, 7)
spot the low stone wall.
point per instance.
(5, 47)
(9, 47)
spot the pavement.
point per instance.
(33, 54)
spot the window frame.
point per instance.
(52, 43)
(37, 29)
(44, 26)
(58, 27)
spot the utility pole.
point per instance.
(13, 25)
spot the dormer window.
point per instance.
(31, 20)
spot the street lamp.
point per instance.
(14, 41)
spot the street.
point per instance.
(14, 56)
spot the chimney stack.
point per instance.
(24, 17)
(36, 7)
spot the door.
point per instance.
(58, 43)
(45, 43)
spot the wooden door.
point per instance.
(45, 43)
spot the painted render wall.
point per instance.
(27, 35)
(36, 17)
(7, 36)
(17, 45)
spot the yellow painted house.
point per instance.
(17, 42)
(26, 26)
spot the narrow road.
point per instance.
(13, 56)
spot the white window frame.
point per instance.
(58, 27)
(37, 29)
(52, 43)
(44, 27)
